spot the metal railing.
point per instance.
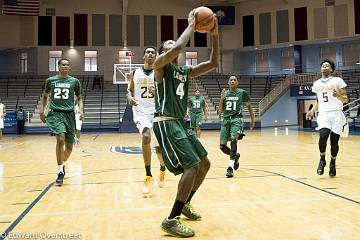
(283, 86)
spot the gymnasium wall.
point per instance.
(284, 111)
(107, 32)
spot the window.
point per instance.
(23, 63)
(191, 58)
(287, 59)
(351, 54)
(90, 61)
(328, 52)
(262, 62)
(54, 57)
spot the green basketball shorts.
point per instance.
(231, 128)
(62, 122)
(180, 148)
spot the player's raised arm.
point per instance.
(213, 62)
(167, 57)
(130, 91)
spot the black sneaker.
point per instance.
(241, 136)
(332, 171)
(229, 172)
(237, 163)
(320, 169)
(60, 179)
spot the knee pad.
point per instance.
(334, 142)
(225, 149)
(324, 135)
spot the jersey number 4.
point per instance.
(61, 93)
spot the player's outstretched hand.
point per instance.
(132, 101)
(191, 18)
(310, 115)
(336, 92)
(215, 29)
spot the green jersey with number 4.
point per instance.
(234, 102)
(62, 91)
(172, 92)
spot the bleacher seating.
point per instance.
(106, 105)
(352, 78)
(23, 91)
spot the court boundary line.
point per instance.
(108, 211)
(306, 184)
(25, 212)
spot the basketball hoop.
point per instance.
(122, 71)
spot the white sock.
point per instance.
(231, 163)
(60, 168)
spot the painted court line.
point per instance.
(308, 185)
(230, 204)
(24, 213)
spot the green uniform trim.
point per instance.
(180, 148)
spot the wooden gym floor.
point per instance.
(276, 193)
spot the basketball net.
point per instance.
(124, 67)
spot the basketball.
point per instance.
(205, 20)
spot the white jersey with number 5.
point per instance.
(323, 88)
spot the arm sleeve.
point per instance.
(341, 83)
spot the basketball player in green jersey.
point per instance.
(181, 149)
(61, 118)
(232, 127)
(197, 105)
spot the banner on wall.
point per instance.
(301, 90)
(225, 14)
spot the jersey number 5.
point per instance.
(61, 93)
(325, 97)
